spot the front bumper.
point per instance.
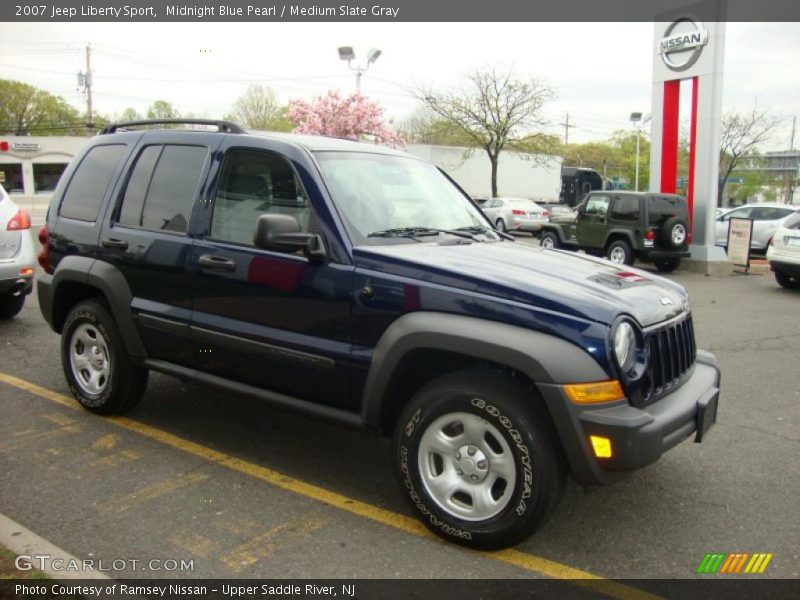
(639, 436)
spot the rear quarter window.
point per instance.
(87, 188)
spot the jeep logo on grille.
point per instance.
(665, 301)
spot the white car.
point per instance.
(783, 254)
(17, 256)
(515, 214)
(767, 218)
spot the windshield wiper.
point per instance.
(413, 232)
(482, 229)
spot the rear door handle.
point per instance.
(114, 243)
(216, 262)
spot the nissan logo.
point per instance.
(682, 44)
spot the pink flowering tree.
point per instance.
(354, 117)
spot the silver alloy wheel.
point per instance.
(678, 234)
(547, 242)
(89, 359)
(467, 466)
(617, 255)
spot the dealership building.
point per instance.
(30, 167)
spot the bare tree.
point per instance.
(742, 133)
(258, 108)
(423, 126)
(497, 111)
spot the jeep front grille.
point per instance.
(672, 354)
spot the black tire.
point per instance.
(619, 251)
(519, 421)
(674, 232)
(124, 384)
(787, 281)
(10, 305)
(501, 225)
(667, 265)
(550, 240)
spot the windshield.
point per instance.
(378, 193)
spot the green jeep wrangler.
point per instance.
(624, 226)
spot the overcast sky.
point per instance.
(203, 67)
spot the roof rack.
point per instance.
(222, 126)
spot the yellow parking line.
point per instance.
(523, 560)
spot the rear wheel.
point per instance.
(674, 232)
(787, 281)
(501, 225)
(97, 367)
(667, 265)
(10, 305)
(619, 252)
(478, 461)
(549, 240)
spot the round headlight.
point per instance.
(625, 346)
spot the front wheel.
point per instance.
(478, 460)
(619, 252)
(667, 265)
(787, 281)
(97, 367)
(549, 240)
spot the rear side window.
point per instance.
(88, 186)
(625, 208)
(661, 208)
(161, 188)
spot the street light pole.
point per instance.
(638, 123)
(347, 53)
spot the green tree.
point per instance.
(497, 111)
(258, 109)
(25, 110)
(161, 109)
(130, 114)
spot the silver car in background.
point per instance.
(783, 253)
(767, 219)
(514, 214)
(17, 256)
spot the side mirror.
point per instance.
(281, 233)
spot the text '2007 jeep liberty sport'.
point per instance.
(361, 285)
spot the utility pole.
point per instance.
(566, 127)
(85, 81)
(791, 182)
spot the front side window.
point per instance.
(162, 187)
(597, 205)
(253, 183)
(739, 213)
(379, 192)
(88, 186)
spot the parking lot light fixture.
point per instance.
(346, 53)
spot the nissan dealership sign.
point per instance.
(682, 44)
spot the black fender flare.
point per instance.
(615, 233)
(110, 281)
(542, 357)
(558, 230)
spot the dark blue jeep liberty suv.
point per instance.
(361, 285)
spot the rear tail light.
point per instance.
(545, 213)
(517, 211)
(44, 253)
(650, 235)
(19, 221)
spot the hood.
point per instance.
(554, 280)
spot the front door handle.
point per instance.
(114, 243)
(217, 262)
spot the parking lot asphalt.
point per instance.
(248, 491)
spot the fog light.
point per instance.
(592, 393)
(601, 446)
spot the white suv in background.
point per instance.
(783, 253)
(17, 256)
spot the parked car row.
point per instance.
(767, 220)
(519, 214)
